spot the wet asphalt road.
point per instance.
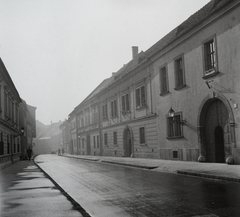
(113, 190)
(26, 192)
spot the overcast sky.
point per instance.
(58, 51)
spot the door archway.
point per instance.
(215, 122)
(127, 142)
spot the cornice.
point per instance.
(4, 123)
(131, 121)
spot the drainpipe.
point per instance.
(100, 129)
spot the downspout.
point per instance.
(100, 129)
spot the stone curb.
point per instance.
(74, 202)
(90, 159)
(130, 165)
(114, 162)
(182, 172)
(210, 176)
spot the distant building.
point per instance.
(48, 139)
(178, 100)
(65, 140)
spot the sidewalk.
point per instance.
(26, 191)
(207, 170)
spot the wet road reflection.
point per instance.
(139, 192)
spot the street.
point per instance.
(112, 190)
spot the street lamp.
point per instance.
(171, 113)
(22, 130)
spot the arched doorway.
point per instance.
(127, 142)
(214, 120)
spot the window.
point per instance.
(97, 141)
(140, 97)
(5, 103)
(94, 114)
(174, 126)
(0, 99)
(8, 145)
(81, 119)
(115, 138)
(175, 154)
(163, 81)
(209, 49)
(105, 139)
(17, 116)
(13, 118)
(179, 73)
(14, 146)
(94, 142)
(83, 141)
(142, 135)
(87, 117)
(105, 112)
(114, 108)
(9, 108)
(18, 146)
(1, 145)
(125, 103)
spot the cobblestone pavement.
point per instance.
(105, 189)
(208, 170)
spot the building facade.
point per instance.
(65, 133)
(28, 123)
(17, 121)
(178, 100)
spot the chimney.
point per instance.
(134, 51)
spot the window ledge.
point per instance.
(210, 74)
(126, 112)
(114, 117)
(164, 93)
(180, 87)
(141, 107)
(176, 137)
(143, 144)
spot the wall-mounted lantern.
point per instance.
(22, 130)
(171, 113)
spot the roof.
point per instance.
(49, 130)
(193, 21)
(115, 76)
(8, 80)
